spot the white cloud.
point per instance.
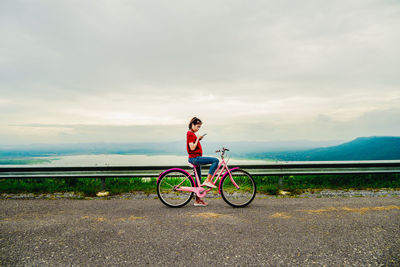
(285, 65)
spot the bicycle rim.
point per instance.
(242, 196)
(166, 192)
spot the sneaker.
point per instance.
(209, 184)
(201, 203)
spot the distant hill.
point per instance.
(362, 148)
(237, 149)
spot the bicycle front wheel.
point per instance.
(167, 185)
(242, 196)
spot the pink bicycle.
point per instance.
(176, 187)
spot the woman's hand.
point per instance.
(194, 145)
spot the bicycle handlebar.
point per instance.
(223, 150)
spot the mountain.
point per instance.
(362, 148)
(237, 149)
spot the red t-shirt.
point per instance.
(191, 137)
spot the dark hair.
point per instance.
(194, 121)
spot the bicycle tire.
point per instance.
(165, 196)
(246, 192)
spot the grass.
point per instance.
(87, 186)
(302, 183)
(265, 184)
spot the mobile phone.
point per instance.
(204, 134)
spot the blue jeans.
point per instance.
(204, 161)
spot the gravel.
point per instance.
(283, 231)
(142, 195)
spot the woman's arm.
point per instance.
(193, 145)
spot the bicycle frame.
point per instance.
(199, 190)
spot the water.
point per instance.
(124, 160)
(150, 160)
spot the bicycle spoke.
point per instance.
(242, 196)
(181, 182)
(169, 184)
(166, 189)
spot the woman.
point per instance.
(195, 152)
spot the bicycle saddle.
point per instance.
(192, 165)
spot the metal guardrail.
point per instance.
(281, 169)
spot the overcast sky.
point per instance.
(129, 71)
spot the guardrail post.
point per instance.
(103, 183)
(280, 182)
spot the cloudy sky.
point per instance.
(129, 71)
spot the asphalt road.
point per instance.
(287, 231)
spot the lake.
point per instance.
(124, 160)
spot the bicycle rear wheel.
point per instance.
(242, 196)
(166, 188)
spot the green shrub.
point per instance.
(265, 184)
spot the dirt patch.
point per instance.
(96, 219)
(103, 219)
(133, 218)
(282, 215)
(209, 215)
(360, 210)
